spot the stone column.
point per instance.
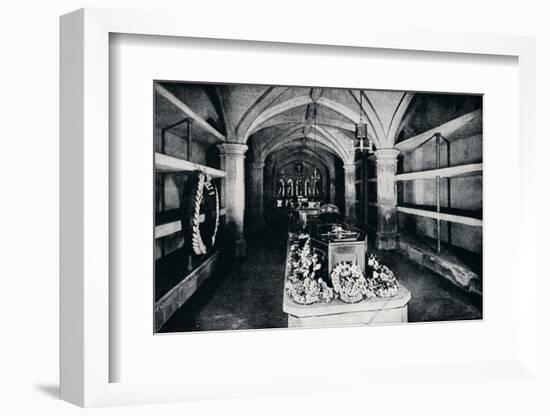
(232, 162)
(349, 191)
(388, 219)
(256, 204)
(369, 187)
(332, 191)
(331, 186)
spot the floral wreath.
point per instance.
(349, 282)
(351, 285)
(381, 281)
(201, 192)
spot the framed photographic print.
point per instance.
(317, 148)
(238, 210)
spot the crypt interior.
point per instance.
(401, 170)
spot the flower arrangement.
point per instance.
(352, 286)
(303, 284)
(350, 283)
(380, 279)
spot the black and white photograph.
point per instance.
(306, 207)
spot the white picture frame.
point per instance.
(85, 232)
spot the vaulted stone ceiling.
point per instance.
(266, 118)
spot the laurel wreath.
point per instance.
(215, 233)
(197, 242)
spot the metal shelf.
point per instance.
(166, 164)
(459, 219)
(173, 227)
(447, 172)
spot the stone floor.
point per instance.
(250, 294)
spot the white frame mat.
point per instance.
(85, 263)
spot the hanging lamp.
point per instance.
(361, 130)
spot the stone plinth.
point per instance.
(338, 313)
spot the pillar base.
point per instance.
(239, 249)
(387, 241)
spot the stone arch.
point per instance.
(297, 133)
(297, 141)
(287, 153)
(397, 117)
(253, 120)
(337, 124)
(220, 103)
(325, 155)
(257, 107)
(368, 110)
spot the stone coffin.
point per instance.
(333, 251)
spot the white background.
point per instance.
(29, 261)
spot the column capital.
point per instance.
(231, 148)
(386, 154)
(349, 167)
(257, 165)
